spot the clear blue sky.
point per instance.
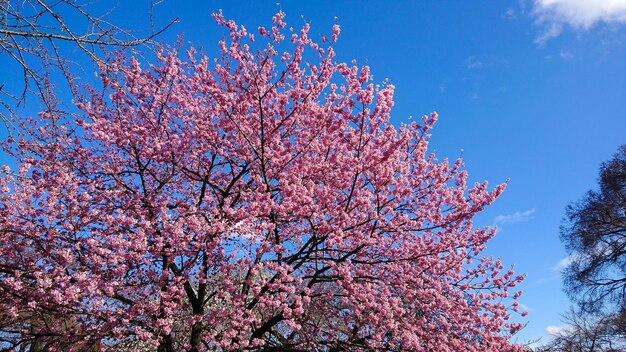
(530, 93)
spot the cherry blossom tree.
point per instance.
(261, 200)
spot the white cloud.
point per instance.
(552, 31)
(473, 62)
(601, 249)
(509, 14)
(482, 62)
(558, 330)
(553, 15)
(563, 263)
(518, 216)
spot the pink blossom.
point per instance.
(262, 199)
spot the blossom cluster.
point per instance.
(262, 198)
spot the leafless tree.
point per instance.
(586, 332)
(594, 233)
(41, 38)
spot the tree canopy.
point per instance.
(261, 200)
(594, 232)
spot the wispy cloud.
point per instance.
(555, 330)
(473, 62)
(600, 250)
(544, 280)
(565, 55)
(554, 15)
(562, 264)
(479, 62)
(549, 32)
(525, 307)
(509, 14)
(518, 216)
(476, 69)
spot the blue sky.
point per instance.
(532, 91)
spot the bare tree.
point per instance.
(586, 332)
(594, 232)
(39, 37)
